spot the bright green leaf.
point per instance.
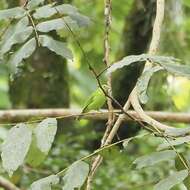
(172, 180)
(15, 147)
(58, 47)
(75, 175)
(154, 158)
(45, 134)
(45, 183)
(16, 12)
(24, 52)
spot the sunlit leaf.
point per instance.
(143, 82)
(57, 24)
(45, 134)
(45, 183)
(178, 141)
(172, 180)
(58, 47)
(154, 158)
(24, 52)
(15, 147)
(16, 12)
(81, 20)
(75, 175)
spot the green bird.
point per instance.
(95, 101)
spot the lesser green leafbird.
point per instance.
(95, 101)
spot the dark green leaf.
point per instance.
(59, 48)
(15, 147)
(45, 183)
(16, 12)
(75, 175)
(172, 180)
(154, 158)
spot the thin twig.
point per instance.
(7, 185)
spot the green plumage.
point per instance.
(95, 101)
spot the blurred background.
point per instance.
(48, 81)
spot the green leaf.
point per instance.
(154, 158)
(24, 52)
(75, 175)
(178, 141)
(58, 47)
(48, 10)
(177, 131)
(172, 180)
(16, 12)
(176, 69)
(57, 24)
(141, 58)
(44, 12)
(15, 147)
(45, 183)
(35, 156)
(81, 20)
(45, 134)
(17, 37)
(143, 81)
(34, 3)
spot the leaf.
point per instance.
(48, 10)
(57, 24)
(81, 20)
(58, 47)
(75, 175)
(24, 52)
(15, 147)
(44, 12)
(154, 158)
(34, 3)
(177, 131)
(45, 183)
(16, 12)
(35, 156)
(17, 37)
(143, 82)
(178, 141)
(45, 134)
(141, 58)
(176, 69)
(172, 180)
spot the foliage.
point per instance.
(31, 151)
